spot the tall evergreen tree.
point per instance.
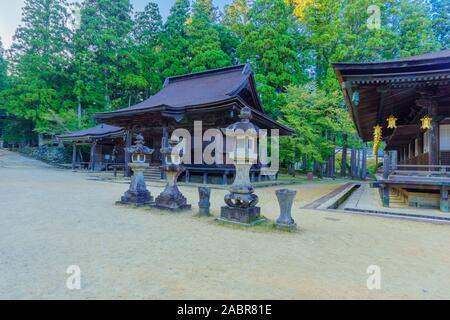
(205, 48)
(148, 25)
(3, 68)
(147, 47)
(174, 60)
(440, 17)
(104, 68)
(416, 34)
(271, 43)
(39, 60)
(237, 16)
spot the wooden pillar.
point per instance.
(364, 164)
(386, 166)
(353, 163)
(74, 155)
(385, 195)
(93, 154)
(358, 163)
(128, 140)
(344, 156)
(434, 133)
(444, 199)
(164, 144)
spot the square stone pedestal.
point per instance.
(139, 198)
(243, 216)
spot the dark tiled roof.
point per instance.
(424, 61)
(195, 89)
(97, 132)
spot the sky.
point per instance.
(11, 11)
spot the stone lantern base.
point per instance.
(246, 216)
(171, 199)
(137, 198)
(137, 194)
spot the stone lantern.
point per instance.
(171, 198)
(138, 194)
(241, 201)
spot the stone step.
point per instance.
(152, 173)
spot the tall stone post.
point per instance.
(204, 204)
(285, 200)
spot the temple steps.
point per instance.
(152, 173)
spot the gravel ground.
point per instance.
(51, 219)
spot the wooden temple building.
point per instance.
(214, 97)
(406, 104)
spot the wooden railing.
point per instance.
(419, 171)
(421, 159)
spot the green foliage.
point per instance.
(102, 55)
(205, 48)
(39, 62)
(440, 17)
(56, 76)
(270, 43)
(3, 68)
(174, 60)
(316, 116)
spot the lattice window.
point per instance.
(444, 137)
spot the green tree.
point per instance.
(104, 67)
(205, 48)
(3, 68)
(316, 115)
(174, 59)
(148, 25)
(271, 43)
(39, 62)
(147, 48)
(440, 17)
(416, 34)
(237, 16)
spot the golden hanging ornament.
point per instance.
(377, 136)
(392, 122)
(426, 123)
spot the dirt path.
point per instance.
(51, 219)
